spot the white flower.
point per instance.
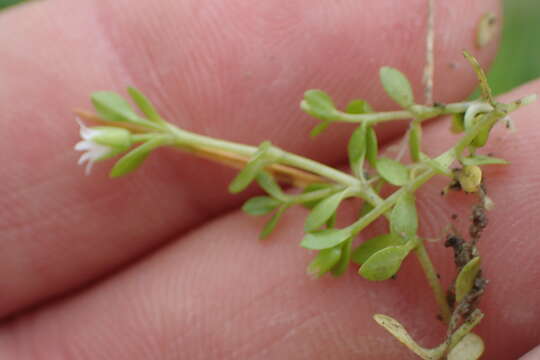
(100, 143)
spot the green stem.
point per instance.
(433, 280)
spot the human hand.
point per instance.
(160, 264)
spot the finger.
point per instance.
(232, 71)
(218, 293)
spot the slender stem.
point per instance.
(430, 54)
(433, 280)
(422, 112)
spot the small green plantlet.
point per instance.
(324, 189)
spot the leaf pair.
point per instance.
(254, 166)
(335, 259)
(381, 257)
(113, 107)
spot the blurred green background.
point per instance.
(518, 60)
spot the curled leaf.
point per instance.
(400, 333)
(384, 263)
(471, 347)
(470, 178)
(397, 86)
(466, 277)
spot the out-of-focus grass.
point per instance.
(518, 60)
(6, 3)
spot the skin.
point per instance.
(161, 264)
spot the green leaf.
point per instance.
(397, 86)
(458, 123)
(403, 218)
(466, 277)
(145, 105)
(324, 211)
(319, 128)
(372, 147)
(271, 224)
(113, 107)
(325, 239)
(317, 103)
(471, 347)
(133, 159)
(358, 106)
(435, 165)
(324, 261)
(312, 188)
(392, 171)
(415, 139)
(384, 263)
(483, 160)
(371, 246)
(400, 333)
(357, 149)
(343, 264)
(260, 205)
(251, 170)
(269, 184)
(481, 75)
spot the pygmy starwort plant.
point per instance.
(325, 188)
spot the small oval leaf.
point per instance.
(312, 188)
(251, 170)
(392, 171)
(145, 105)
(325, 239)
(271, 224)
(319, 128)
(343, 264)
(357, 149)
(483, 160)
(403, 218)
(466, 277)
(358, 106)
(113, 107)
(324, 261)
(317, 103)
(323, 211)
(397, 86)
(133, 159)
(371, 246)
(372, 147)
(384, 263)
(471, 347)
(415, 139)
(260, 205)
(269, 184)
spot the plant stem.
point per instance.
(433, 280)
